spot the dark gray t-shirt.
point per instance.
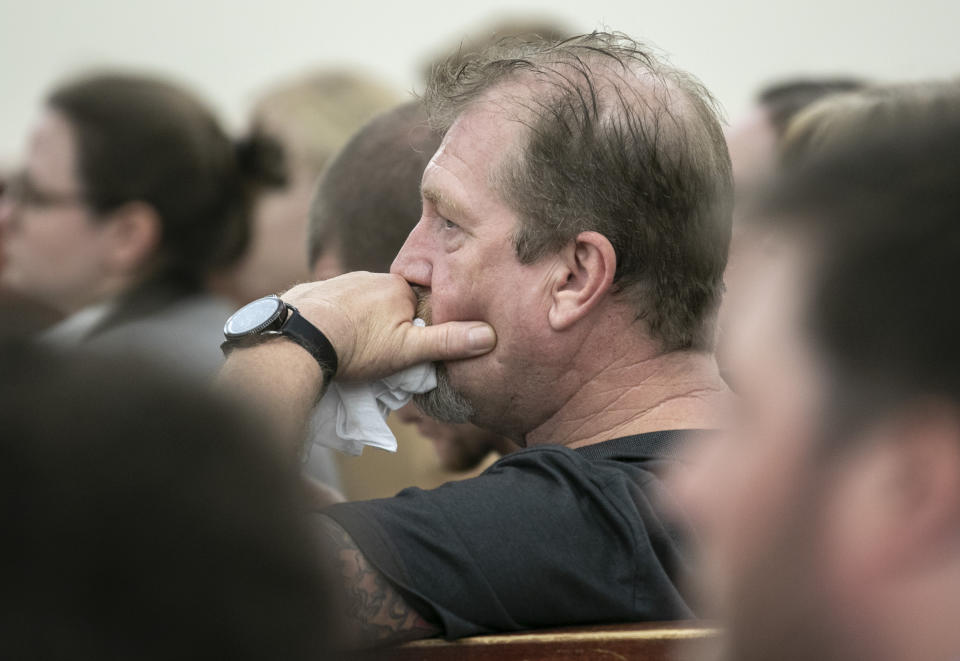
(546, 536)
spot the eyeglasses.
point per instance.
(18, 190)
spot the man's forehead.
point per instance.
(491, 124)
(51, 156)
(463, 171)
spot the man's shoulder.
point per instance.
(530, 473)
(661, 444)
(635, 449)
(544, 477)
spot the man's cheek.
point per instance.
(465, 307)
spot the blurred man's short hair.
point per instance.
(851, 116)
(784, 99)
(878, 203)
(368, 198)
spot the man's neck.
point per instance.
(678, 390)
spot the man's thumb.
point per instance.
(454, 340)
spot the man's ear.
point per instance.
(929, 480)
(328, 264)
(900, 500)
(583, 278)
(134, 233)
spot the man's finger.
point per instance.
(450, 341)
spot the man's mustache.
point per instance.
(423, 303)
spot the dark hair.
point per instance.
(368, 198)
(784, 99)
(619, 143)
(145, 519)
(147, 140)
(844, 117)
(880, 213)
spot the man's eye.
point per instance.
(449, 224)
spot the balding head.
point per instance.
(620, 143)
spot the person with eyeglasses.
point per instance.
(130, 196)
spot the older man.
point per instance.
(580, 205)
(830, 518)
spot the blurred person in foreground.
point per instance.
(756, 143)
(310, 117)
(130, 195)
(580, 204)
(844, 118)
(754, 139)
(830, 516)
(145, 519)
(367, 202)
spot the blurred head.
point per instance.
(311, 117)
(755, 138)
(830, 515)
(145, 519)
(845, 118)
(127, 179)
(757, 141)
(368, 198)
(581, 180)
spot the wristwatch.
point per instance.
(272, 317)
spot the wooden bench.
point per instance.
(672, 641)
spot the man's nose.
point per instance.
(413, 263)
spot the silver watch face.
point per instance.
(253, 317)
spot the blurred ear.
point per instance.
(327, 264)
(582, 278)
(134, 232)
(898, 506)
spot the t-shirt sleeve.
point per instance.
(542, 538)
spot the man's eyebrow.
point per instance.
(442, 202)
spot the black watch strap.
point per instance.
(310, 338)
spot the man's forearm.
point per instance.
(280, 378)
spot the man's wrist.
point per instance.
(271, 317)
(312, 339)
(279, 357)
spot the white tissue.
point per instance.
(352, 415)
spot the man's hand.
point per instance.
(368, 319)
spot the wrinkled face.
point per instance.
(758, 496)
(54, 249)
(461, 252)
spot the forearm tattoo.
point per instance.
(373, 612)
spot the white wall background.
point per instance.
(230, 50)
